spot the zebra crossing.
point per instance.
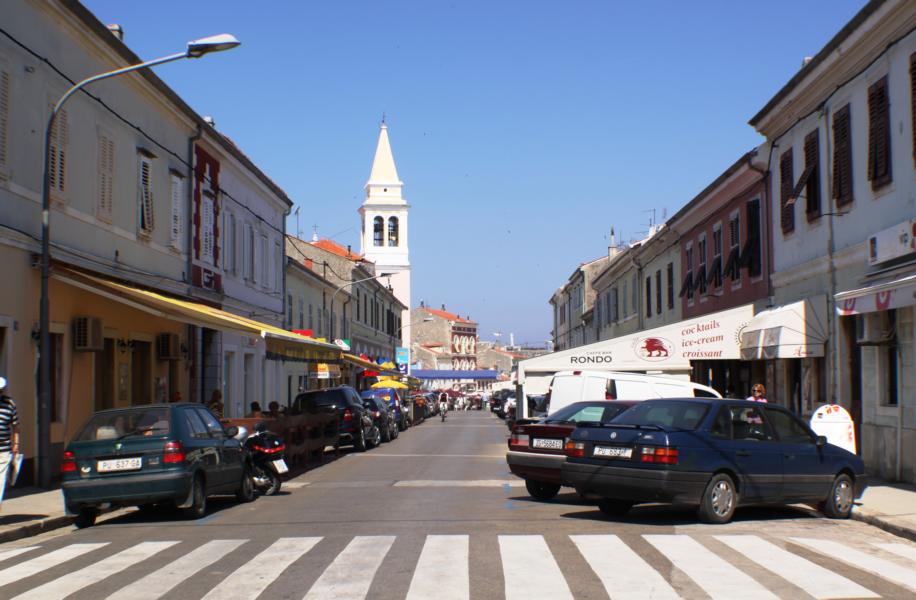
(648, 566)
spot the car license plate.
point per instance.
(547, 443)
(280, 466)
(613, 451)
(119, 464)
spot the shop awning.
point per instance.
(194, 313)
(369, 365)
(668, 349)
(885, 295)
(795, 330)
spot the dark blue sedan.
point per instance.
(711, 453)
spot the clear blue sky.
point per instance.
(523, 130)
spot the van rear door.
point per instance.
(595, 387)
(564, 390)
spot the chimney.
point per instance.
(348, 251)
(314, 233)
(210, 121)
(443, 307)
(612, 249)
(116, 30)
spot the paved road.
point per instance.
(436, 515)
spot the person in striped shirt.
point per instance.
(9, 435)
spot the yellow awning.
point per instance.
(193, 313)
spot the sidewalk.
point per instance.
(31, 511)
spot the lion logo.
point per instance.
(654, 348)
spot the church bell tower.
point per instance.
(384, 236)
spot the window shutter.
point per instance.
(813, 185)
(206, 229)
(57, 151)
(879, 150)
(4, 115)
(146, 196)
(106, 178)
(177, 212)
(670, 286)
(912, 104)
(786, 178)
(842, 157)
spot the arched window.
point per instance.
(378, 232)
(392, 231)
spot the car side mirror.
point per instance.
(821, 441)
(232, 431)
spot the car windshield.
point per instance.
(325, 397)
(671, 414)
(580, 412)
(118, 424)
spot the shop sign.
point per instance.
(323, 371)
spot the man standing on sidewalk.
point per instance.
(9, 435)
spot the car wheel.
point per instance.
(198, 506)
(245, 492)
(86, 517)
(541, 490)
(720, 498)
(376, 437)
(395, 432)
(360, 443)
(386, 434)
(614, 508)
(840, 501)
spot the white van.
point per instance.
(572, 386)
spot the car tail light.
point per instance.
(265, 450)
(172, 453)
(348, 415)
(518, 441)
(658, 454)
(68, 464)
(575, 449)
(376, 414)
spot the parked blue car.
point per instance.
(715, 454)
(393, 399)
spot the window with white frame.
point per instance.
(206, 228)
(145, 215)
(715, 270)
(57, 152)
(176, 231)
(105, 201)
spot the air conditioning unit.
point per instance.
(87, 334)
(892, 243)
(168, 346)
(874, 329)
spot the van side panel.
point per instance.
(565, 390)
(595, 387)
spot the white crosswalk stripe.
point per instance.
(814, 579)
(904, 550)
(15, 552)
(862, 560)
(77, 580)
(248, 581)
(352, 572)
(530, 570)
(41, 563)
(625, 575)
(160, 582)
(718, 577)
(442, 570)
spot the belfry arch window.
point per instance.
(392, 231)
(378, 231)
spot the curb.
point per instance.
(43, 526)
(881, 523)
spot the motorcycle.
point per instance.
(267, 463)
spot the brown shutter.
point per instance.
(842, 157)
(786, 179)
(879, 149)
(813, 185)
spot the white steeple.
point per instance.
(384, 224)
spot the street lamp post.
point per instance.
(195, 49)
(334, 295)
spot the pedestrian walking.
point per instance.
(758, 393)
(216, 404)
(9, 435)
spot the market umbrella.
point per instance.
(389, 384)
